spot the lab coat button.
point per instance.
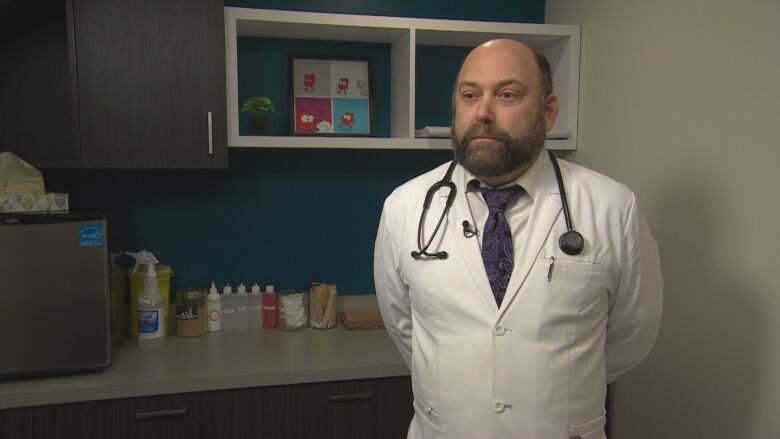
(498, 406)
(499, 330)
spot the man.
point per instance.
(510, 333)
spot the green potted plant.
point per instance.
(258, 106)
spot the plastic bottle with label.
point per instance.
(151, 317)
(228, 308)
(255, 308)
(214, 309)
(270, 311)
(242, 308)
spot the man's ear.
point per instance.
(551, 108)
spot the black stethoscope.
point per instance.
(571, 242)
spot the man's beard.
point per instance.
(511, 154)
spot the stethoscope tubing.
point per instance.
(444, 182)
(571, 242)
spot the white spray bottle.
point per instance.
(151, 311)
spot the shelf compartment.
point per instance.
(560, 43)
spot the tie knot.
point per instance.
(498, 199)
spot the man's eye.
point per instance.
(468, 96)
(508, 95)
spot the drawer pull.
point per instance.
(353, 397)
(211, 134)
(161, 414)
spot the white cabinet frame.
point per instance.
(560, 43)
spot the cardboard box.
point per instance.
(360, 312)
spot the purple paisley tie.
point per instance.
(497, 247)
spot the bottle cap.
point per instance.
(269, 288)
(241, 289)
(227, 289)
(255, 288)
(213, 289)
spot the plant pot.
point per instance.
(258, 126)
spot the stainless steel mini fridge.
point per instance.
(54, 294)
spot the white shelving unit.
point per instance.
(560, 43)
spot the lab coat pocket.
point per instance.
(568, 291)
(593, 429)
(568, 267)
(426, 417)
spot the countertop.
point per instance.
(220, 360)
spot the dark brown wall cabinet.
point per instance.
(241, 413)
(114, 84)
(378, 408)
(16, 423)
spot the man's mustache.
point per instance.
(483, 130)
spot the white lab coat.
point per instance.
(538, 366)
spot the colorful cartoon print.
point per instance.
(351, 116)
(343, 86)
(308, 81)
(304, 122)
(347, 120)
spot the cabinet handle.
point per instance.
(353, 397)
(161, 414)
(211, 137)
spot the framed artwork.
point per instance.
(330, 96)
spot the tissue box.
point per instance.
(50, 202)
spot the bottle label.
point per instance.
(186, 312)
(149, 323)
(213, 307)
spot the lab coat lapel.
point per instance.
(545, 211)
(468, 248)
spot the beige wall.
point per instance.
(680, 99)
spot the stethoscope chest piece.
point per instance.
(571, 243)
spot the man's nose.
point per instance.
(485, 111)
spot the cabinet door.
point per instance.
(16, 423)
(149, 73)
(37, 83)
(239, 413)
(377, 409)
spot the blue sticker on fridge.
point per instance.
(91, 236)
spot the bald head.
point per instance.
(506, 48)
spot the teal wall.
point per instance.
(284, 216)
(517, 11)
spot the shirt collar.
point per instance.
(528, 180)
